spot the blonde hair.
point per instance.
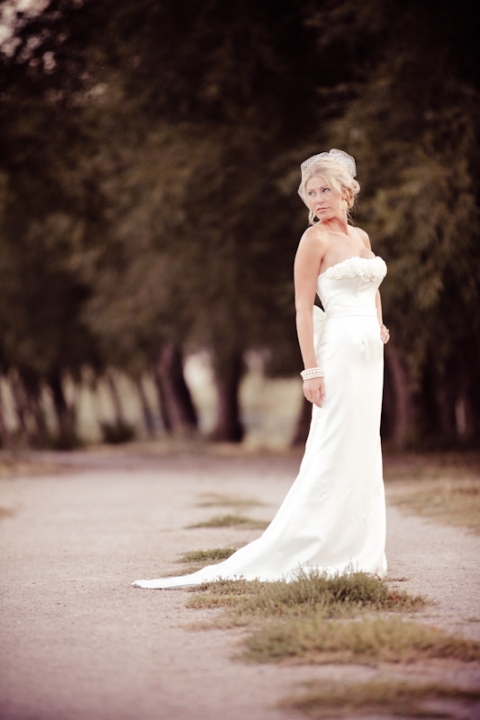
(337, 177)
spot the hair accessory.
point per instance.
(338, 156)
(310, 373)
(342, 157)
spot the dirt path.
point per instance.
(77, 642)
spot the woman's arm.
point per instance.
(384, 331)
(307, 264)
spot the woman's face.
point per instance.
(322, 200)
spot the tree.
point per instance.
(409, 117)
(150, 161)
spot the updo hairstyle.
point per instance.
(337, 178)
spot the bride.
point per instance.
(333, 518)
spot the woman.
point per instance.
(333, 518)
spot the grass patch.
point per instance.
(445, 488)
(448, 502)
(315, 620)
(419, 467)
(313, 595)
(212, 555)
(196, 559)
(217, 500)
(367, 641)
(394, 697)
(10, 468)
(236, 521)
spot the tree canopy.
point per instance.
(148, 174)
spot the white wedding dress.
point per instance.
(333, 518)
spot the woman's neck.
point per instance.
(337, 224)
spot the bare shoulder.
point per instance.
(363, 236)
(314, 240)
(310, 253)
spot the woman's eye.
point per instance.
(311, 192)
(325, 190)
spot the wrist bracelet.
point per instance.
(310, 373)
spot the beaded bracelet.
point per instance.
(310, 373)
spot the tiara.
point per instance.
(341, 157)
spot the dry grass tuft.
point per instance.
(207, 556)
(367, 641)
(293, 622)
(447, 502)
(237, 521)
(394, 697)
(23, 467)
(443, 487)
(217, 500)
(314, 595)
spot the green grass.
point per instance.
(391, 697)
(367, 641)
(318, 595)
(236, 521)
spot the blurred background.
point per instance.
(149, 218)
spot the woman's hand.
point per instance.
(384, 334)
(314, 391)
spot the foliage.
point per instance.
(409, 116)
(148, 172)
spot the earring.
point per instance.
(344, 205)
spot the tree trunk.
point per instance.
(303, 424)
(473, 408)
(33, 391)
(444, 389)
(21, 406)
(176, 404)
(466, 419)
(454, 392)
(228, 375)
(162, 400)
(402, 397)
(5, 436)
(116, 401)
(148, 418)
(65, 415)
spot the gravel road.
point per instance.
(78, 642)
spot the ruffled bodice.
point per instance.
(366, 268)
(349, 288)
